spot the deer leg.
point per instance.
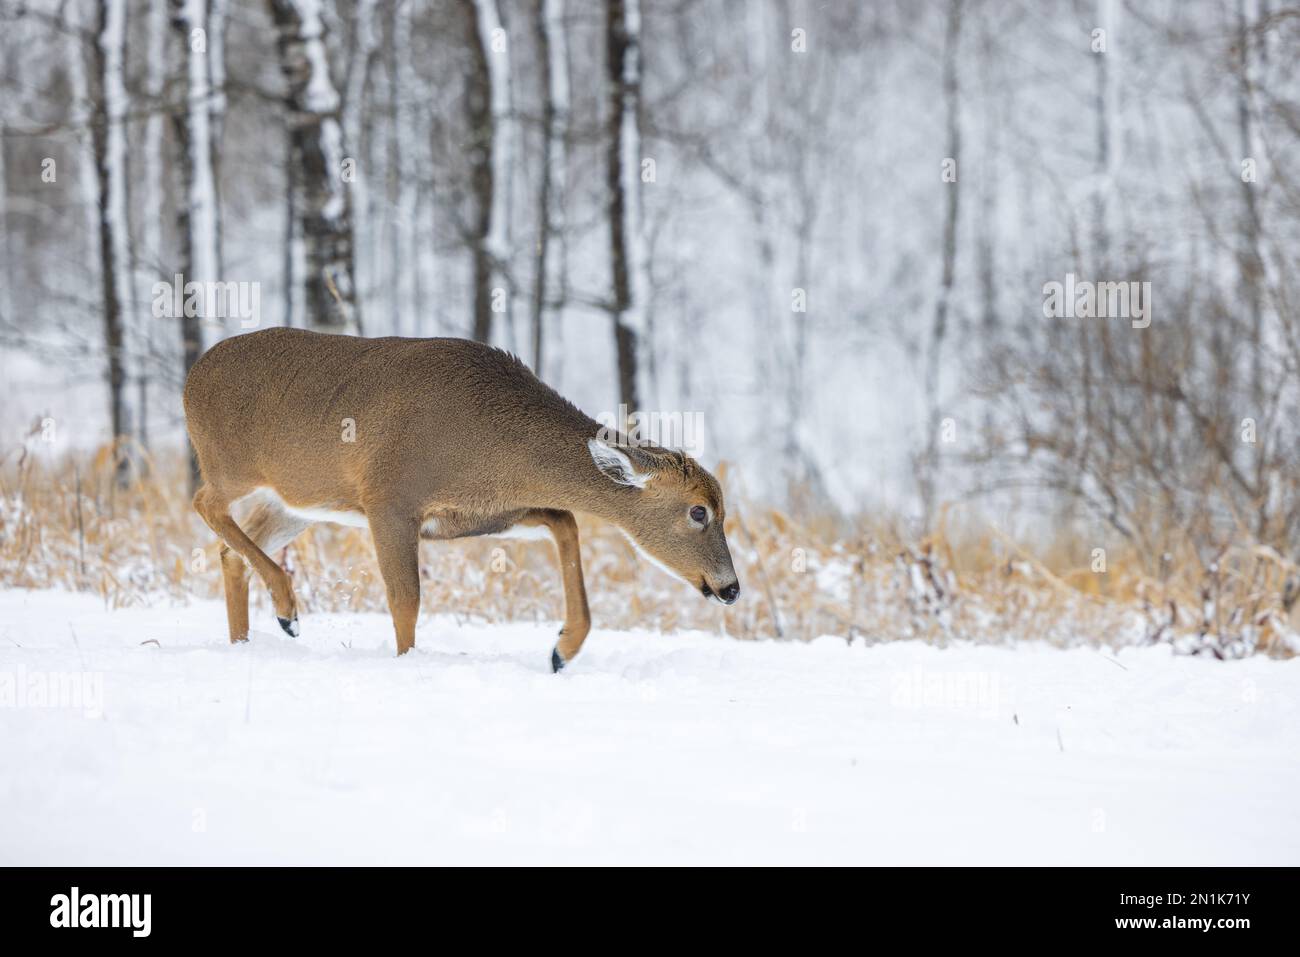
(271, 528)
(215, 510)
(234, 572)
(577, 617)
(397, 546)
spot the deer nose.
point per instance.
(730, 593)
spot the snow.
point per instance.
(178, 748)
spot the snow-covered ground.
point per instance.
(141, 736)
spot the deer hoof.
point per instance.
(290, 625)
(557, 663)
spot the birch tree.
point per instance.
(6, 251)
(947, 278)
(1105, 109)
(628, 262)
(321, 202)
(482, 23)
(548, 30)
(400, 184)
(1252, 262)
(196, 212)
(147, 253)
(365, 41)
(82, 42)
(196, 215)
(109, 137)
(193, 129)
(501, 234)
(216, 61)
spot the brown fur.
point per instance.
(446, 430)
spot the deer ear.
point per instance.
(616, 465)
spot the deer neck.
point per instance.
(576, 485)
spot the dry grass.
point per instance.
(65, 524)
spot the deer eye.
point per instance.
(699, 514)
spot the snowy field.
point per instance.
(142, 737)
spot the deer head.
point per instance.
(671, 509)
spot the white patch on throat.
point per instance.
(654, 561)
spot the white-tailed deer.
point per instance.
(425, 438)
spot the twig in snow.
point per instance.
(1113, 661)
(76, 644)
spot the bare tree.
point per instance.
(548, 30)
(501, 232)
(109, 136)
(623, 179)
(1252, 263)
(943, 304)
(401, 186)
(196, 209)
(6, 250)
(216, 26)
(480, 21)
(147, 252)
(321, 202)
(356, 120)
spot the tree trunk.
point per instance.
(1103, 107)
(398, 183)
(87, 174)
(1252, 265)
(365, 41)
(993, 119)
(147, 255)
(109, 138)
(560, 72)
(196, 208)
(627, 261)
(216, 20)
(6, 246)
(943, 305)
(194, 131)
(547, 16)
(291, 253)
(501, 240)
(321, 202)
(480, 22)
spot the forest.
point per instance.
(849, 253)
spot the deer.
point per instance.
(434, 439)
